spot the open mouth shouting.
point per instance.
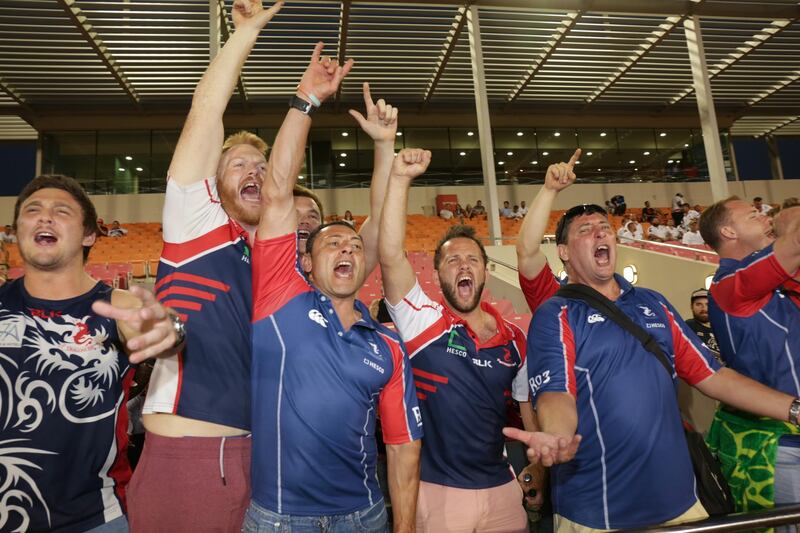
(465, 286)
(250, 192)
(343, 269)
(602, 255)
(45, 238)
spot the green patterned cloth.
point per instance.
(747, 446)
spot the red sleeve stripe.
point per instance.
(684, 347)
(518, 335)
(567, 339)
(186, 291)
(755, 264)
(181, 276)
(393, 432)
(434, 331)
(182, 304)
(178, 253)
(210, 196)
(424, 386)
(427, 375)
(421, 396)
(423, 306)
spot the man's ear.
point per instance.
(305, 262)
(727, 232)
(563, 252)
(89, 240)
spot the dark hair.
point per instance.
(299, 190)
(757, 199)
(313, 235)
(64, 183)
(458, 232)
(583, 209)
(712, 218)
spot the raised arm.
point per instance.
(320, 80)
(787, 244)
(398, 275)
(530, 259)
(197, 154)
(381, 125)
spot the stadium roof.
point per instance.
(592, 57)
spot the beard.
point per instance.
(229, 200)
(450, 296)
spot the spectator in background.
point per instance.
(618, 205)
(5, 232)
(445, 213)
(658, 232)
(760, 206)
(647, 212)
(627, 232)
(479, 209)
(523, 208)
(516, 213)
(117, 230)
(677, 209)
(689, 214)
(102, 229)
(468, 211)
(700, 323)
(692, 235)
(505, 212)
(460, 212)
(674, 233)
(9, 236)
(348, 217)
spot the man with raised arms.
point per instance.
(467, 361)
(322, 371)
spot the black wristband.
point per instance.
(307, 108)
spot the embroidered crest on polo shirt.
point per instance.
(595, 317)
(316, 316)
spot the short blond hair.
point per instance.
(245, 137)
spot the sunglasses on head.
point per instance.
(573, 212)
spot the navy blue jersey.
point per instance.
(463, 386)
(205, 276)
(63, 388)
(632, 468)
(317, 391)
(754, 311)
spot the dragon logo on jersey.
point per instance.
(646, 311)
(67, 371)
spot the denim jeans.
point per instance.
(118, 525)
(369, 520)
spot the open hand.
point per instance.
(150, 325)
(544, 447)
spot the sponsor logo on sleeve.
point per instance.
(417, 415)
(537, 381)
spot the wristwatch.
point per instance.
(180, 330)
(794, 412)
(301, 105)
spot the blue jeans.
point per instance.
(118, 525)
(369, 520)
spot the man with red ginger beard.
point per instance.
(589, 377)
(467, 361)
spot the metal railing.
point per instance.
(765, 518)
(670, 246)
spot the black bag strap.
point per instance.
(599, 302)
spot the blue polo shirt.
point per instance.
(317, 392)
(632, 468)
(754, 309)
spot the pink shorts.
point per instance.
(498, 509)
(190, 484)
